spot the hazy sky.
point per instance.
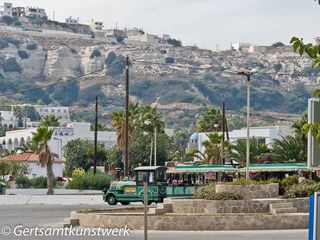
(205, 23)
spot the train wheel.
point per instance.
(125, 203)
(111, 199)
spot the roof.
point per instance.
(202, 169)
(276, 167)
(148, 168)
(25, 157)
(194, 136)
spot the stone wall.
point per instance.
(252, 191)
(195, 222)
(191, 206)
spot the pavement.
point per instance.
(51, 215)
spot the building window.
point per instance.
(52, 110)
(46, 110)
(59, 110)
(65, 111)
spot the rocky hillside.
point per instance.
(182, 80)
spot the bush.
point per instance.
(32, 46)
(22, 181)
(301, 190)
(95, 53)
(209, 193)
(285, 183)
(243, 181)
(3, 43)
(89, 181)
(11, 65)
(39, 182)
(169, 60)
(23, 54)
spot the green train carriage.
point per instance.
(125, 192)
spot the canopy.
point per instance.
(276, 167)
(202, 169)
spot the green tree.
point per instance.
(13, 168)
(40, 146)
(313, 51)
(49, 121)
(210, 120)
(77, 155)
(288, 150)
(237, 151)
(114, 157)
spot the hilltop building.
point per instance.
(35, 12)
(96, 25)
(6, 9)
(72, 21)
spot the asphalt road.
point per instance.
(52, 215)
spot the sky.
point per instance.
(205, 23)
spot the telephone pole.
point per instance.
(126, 147)
(95, 138)
(223, 130)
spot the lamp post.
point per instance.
(248, 74)
(148, 123)
(145, 133)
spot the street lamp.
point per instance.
(248, 74)
(149, 123)
(145, 134)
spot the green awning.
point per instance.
(276, 167)
(202, 169)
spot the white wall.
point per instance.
(37, 170)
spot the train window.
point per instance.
(161, 176)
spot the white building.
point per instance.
(147, 38)
(18, 12)
(240, 46)
(96, 25)
(32, 160)
(60, 112)
(72, 21)
(35, 12)
(61, 136)
(265, 135)
(8, 120)
(6, 9)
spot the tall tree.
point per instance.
(288, 149)
(49, 121)
(40, 145)
(210, 120)
(237, 151)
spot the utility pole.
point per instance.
(95, 138)
(126, 147)
(223, 130)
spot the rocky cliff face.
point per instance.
(177, 78)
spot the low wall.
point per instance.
(251, 191)
(202, 206)
(195, 222)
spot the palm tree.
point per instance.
(288, 149)
(238, 151)
(209, 119)
(49, 121)
(119, 124)
(213, 150)
(40, 146)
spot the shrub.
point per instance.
(32, 46)
(23, 54)
(208, 192)
(22, 181)
(78, 172)
(39, 182)
(11, 65)
(301, 190)
(285, 183)
(243, 181)
(89, 181)
(95, 53)
(169, 60)
(3, 43)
